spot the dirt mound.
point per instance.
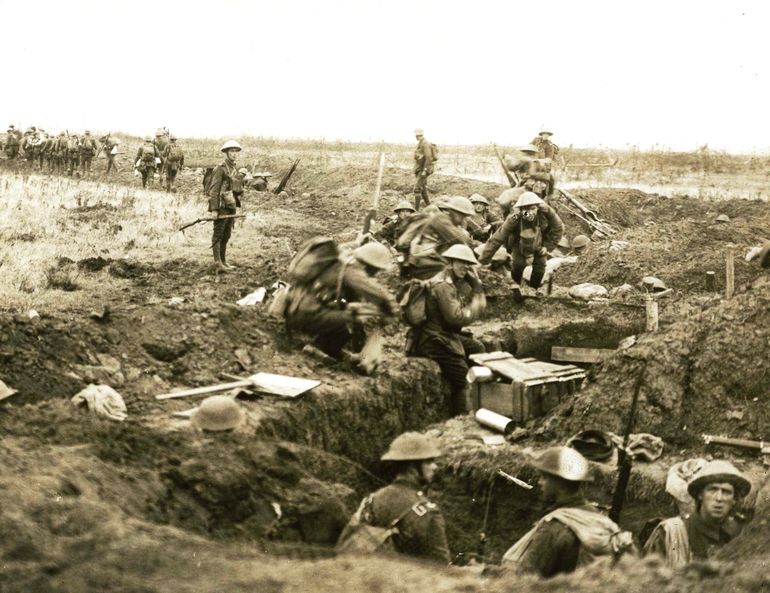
(704, 374)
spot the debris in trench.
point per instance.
(5, 391)
(262, 382)
(104, 315)
(589, 355)
(588, 292)
(253, 298)
(174, 301)
(102, 400)
(495, 421)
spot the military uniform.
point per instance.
(423, 168)
(173, 157)
(438, 235)
(680, 540)
(12, 143)
(545, 148)
(160, 142)
(523, 239)
(146, 156)
(421, 533)
(73, 153)
(390, 231)
(316, 309)
(441, 338)
(221, 199)
(481, 226)
(87, 152)
(110, 146)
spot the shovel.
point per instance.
(261, 382)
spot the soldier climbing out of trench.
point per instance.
(572, 533)
(485, 222)
(715, 488)
(533, 230)
(454, 299)
(545, 148)
(391, 230)
(222, 202)
(416, 525)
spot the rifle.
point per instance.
(513, 179)
(285, 178)
(102, 147)
(624, 459)
(210, 219)
(373, 210)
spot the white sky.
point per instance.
(676, 73)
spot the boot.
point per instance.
(223, 255)
(219, 268)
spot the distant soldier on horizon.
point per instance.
(424, 157)
(161, 142)
(545, 148)
(87, 152)
(73, 153)
(12, 142)
(222, 202)
(173, 158)
(110, 145)
(145, 159)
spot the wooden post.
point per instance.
(730, 273)
(651, 308)
(711, 281)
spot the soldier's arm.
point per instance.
(448, 233)
(493, 217)
(656, 544)
(138, 154)
(433, 537)
(450, 306)
(555, 230)
(553, 546)
(498, 239)
(426, 150)
(356, 279)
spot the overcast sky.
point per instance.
(676, 73)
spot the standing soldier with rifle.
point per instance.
(424, 156)
(573, 532)
(222, 203)
(173, 162)
(110, 147)
(87, 152)
(145, 159)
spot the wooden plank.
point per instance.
(205, 390)
(282, 385)
(579, 354)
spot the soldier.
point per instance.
(12, 142)
(73, 153)
(454, 300)
(573, 532)
(533, 172)
(545, 148)
(336, 304)
(145, 161)
(534, 229)
(173, 157)
(110, 146)
(716, 488)
(59, 151)
(424, 156)
(485, 222)
(161, 142)
(391, 230)
(580, 244)
(38, 149)
(28, 143)
(222, 202)
(440, 232)
(87, 152)
(418, 526)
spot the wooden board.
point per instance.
(589, 355)
(282, 385)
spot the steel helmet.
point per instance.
(501, 255)
(431, 209)
(764, 255)
(564, 242)
(478, 199)
(546, 131)
(230, 144)
(11, 127)
(411, 446)
(595, 445)
(723, 218)
(374, 254)
(148, 139)
(160, 132)
(564, 463)
(528, 198)
(61, 133)
(245, 172)
(172, 137)
(218, 412)
(461, 204)
(460, 252)
(419, 132)
(528, 148)
(719, 471)
(404, 206)
(580, 241)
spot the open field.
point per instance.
(150, 505)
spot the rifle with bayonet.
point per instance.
(375, 205)
(286, 177)
(210, 219)
(624, 459)
(513, 179)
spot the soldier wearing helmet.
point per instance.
(222, 202)
(173, 162)
(420, 528)
(87, 152)
(454, 300)
(572, 532)
(145, 161)
(533, 230)
(391, 230)
(485, 222)
(441, 231)
(73, 153)
(343, 300)
(715, 488)
(12, 142)
(534, 173)
(424, 159)
(545, 148)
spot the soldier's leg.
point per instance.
(145, 174)
(518, 263)
(226, 234)
(72, 166)
(454, 368)
(332, 341)
(538, 271)
(418, 185)
(216, 243)
(110, 158)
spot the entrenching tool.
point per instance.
(373, 210)
(624, 459)
(761, 446)
(261, 382)
(285, 178)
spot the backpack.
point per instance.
(72, 144)
(414, 301)
(433, 152)
(312, 259)
(174, 154)
(148, 156)
(412, 229)
(361, 537)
